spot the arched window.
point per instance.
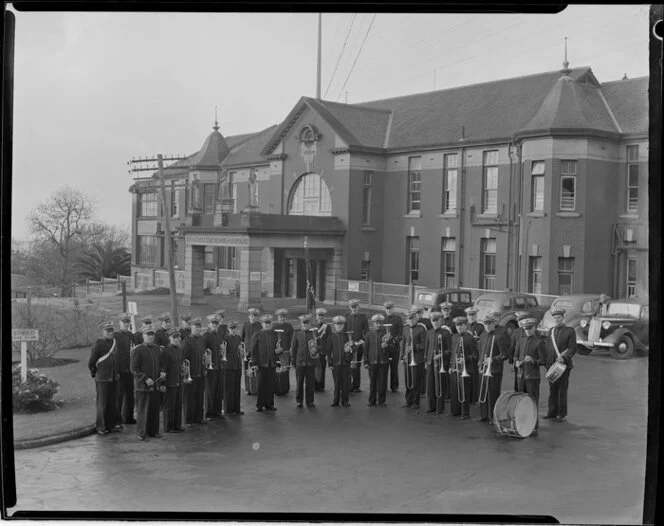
(310, 196)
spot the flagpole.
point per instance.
(320, 42)
(311, 299)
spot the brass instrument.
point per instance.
(439, 356)
(223, 347)
(354, 363)
(252, 369)
(486, 374)
(186, 371)
(387, 338)
(278, 349)
(314, 351)
(207, 359)
(461, 382)
(409, 375)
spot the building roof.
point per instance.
(249, 151)
(214, 150)
(628, 100)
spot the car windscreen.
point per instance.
(425, 297)
(624, 309)
(484, 304)
(563, 304)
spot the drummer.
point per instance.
(560, 347)
(529, 356)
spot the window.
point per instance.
(565, 276)
(175, 200)
(568, 185)
(490, 182)
(228, 258)
(519, 303)
(535, 275)
(414, 184)
(366, 197)
(209, 262)
(148, 205)
(148, 251)
(208, 198)
(310, 196)
(174, 244)
(632, 178)
(234, 196)
(537, 198)
(447, 258)
(365, 270)
(531, 303)
(450, 173)
(488, 263)
(631, 278)
(413, 254)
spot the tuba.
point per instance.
(186, 371)
(485, 371)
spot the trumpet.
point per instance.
(408, 367)
(223, 348)
(207, 359)
(278, 349)
(486, 374)
(186, 372)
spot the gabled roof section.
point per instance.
(214, 151)
(249, 151)
(628, 100)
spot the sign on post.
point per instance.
(132, 307)
(254, 276)
(353, 286)
(24, 336)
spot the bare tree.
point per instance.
(62, 222)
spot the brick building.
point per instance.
(535, 183)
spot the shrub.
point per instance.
(36, 394)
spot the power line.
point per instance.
(357, 57)
(340, 54)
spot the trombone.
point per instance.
(387, 337)
(409, 372)
(438, 380)
(486, 374)
(461, 382)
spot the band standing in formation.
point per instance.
(193, 377)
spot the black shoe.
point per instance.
(371, 403)
(561, 419)
(336, 404)
(547, 417)
(157, 435)
(132, 421)
(431, 410)
(480, 419)
(346, 405)
(259, 409)
(382, 404)
(299, 404)
(271, 408)
(311, 405)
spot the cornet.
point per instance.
(186, 371)
(223, 348)
(207, 359)
(486, 374)
(278, 349)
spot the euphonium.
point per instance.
(186, 371)
(314, 352)
(486, 374)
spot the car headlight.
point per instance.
(583, 323)
(606, 325)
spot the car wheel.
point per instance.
(623, 349)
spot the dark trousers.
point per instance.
(320, 374)
(305, 373)
(413, 393)
(493, 392)
(107, 409)
(394, 369)
(193, 401)
(266, 379)
(436, 403)
(558, 396)
(341, 377)
(147, 412)
(378, 382)
(232, 380)
(463, 387)
(532, 387)
(173, 408)
(516, 380)
(475, 391)
(125, 397)
(213, 392)
(356, 372)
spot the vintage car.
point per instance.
(621, 330)
(577, 307)
(459, 298)
(505, 305)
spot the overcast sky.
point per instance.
(93, 90)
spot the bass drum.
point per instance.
(515, 414)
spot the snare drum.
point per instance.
(555, 372)
(515, 414)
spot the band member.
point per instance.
(358, 324)
(475, 329)
(232, 370)
(171, 363)
(517, 334)
(305, 355)
(263, 354)
(287, 335)
(185, 326)
(339, 352)
(529, 356)
(448, 320)
(250, 327)
(560, 347)
(463, 363)
(146, 321)
(379, 347)
(323, 331)
(103, 366)
(161, 335)
(148, 381)
(396, 330)
(493, 351)
(419, 310)
(438, 346)
(222, 331)
(193, 393)
(214, 389)
(124, 339)
(412, 351)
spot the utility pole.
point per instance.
(320, 45)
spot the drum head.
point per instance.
(525, 415)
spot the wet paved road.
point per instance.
(587, 470)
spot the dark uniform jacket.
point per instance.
(185, 333)
(161, 337)
(469, 350)
(222, 331)
(534, 347)
(499, 353)
(476, 329)
(262, 348)
(431, 346)
(300, 349)
(211, 341)
(397, 328)
(374, 352)
(335, 349)
(248, 331)
(447, 322)
(125, 341)
(107, 369)
(566, 342)
(359, 324)
(234, 360)
(427, 323)
(145, 363)
(171, 363)
(419, 337)
(517, 334)
(193, 348)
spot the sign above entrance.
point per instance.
(216, 240)
(254, 276)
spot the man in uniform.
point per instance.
(145, 366)
(194, 392)
(287, 335)
(103, 366)
(232, 371)
(560, 347)
(414, 342)
(185, 327)
(419, 311)
(323, 332)
(493, 351)
(358, 324)
(161, 338)
(250, 327)
(448, 320)
(214, 389)
(339, 354)
(302, 361)
(376, 360)
(396, 330)
(438, 346)
(125, 391)
(282, 380)
(475, 329)
(222, 331)
(517, 334)
(263, 354)
(463, 347)
(529, 356)
(171, 363)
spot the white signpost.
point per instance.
(24, 336)
(132, 306)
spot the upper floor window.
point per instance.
(413, 255)
(490, 182)
(175, 200)
(568, 185)
(149, 250)
(208, 197)
(537, 199)
(450, 173)
(488, 263)
(366, 197)
(414, 184)
(148, 205)
(633, 178)
(310, 196)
